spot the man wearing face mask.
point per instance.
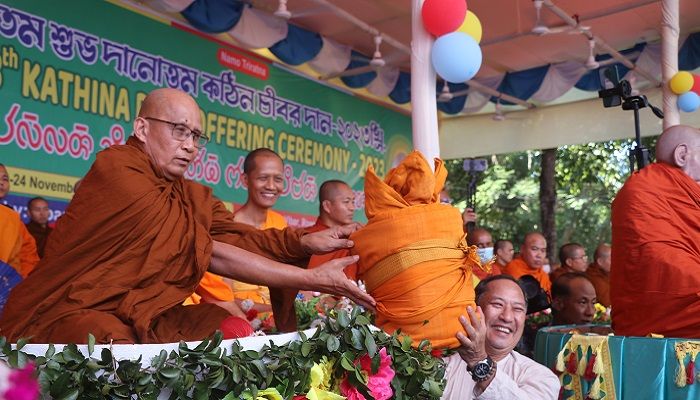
(482, 239)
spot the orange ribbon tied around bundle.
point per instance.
(413, 255)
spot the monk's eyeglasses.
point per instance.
(181, 133)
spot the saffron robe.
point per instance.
(40, 235)
(413, 254)
(17, 246)
(318, 259)
(129, 249)
(518, 268)
(655, 272)
(601, 282)
(481, 273)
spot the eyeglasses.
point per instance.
(181, 133)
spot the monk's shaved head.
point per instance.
(534, 249)
(159, 102)
(336, 203)
(480, 237)
(679, 146)
(330, 189)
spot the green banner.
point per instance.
(72, 78)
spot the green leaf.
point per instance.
(169, 372)
(305, 349)
(91, 343)
(343, 319)
(332, 343)
(361, 320)
(346, 364)
(21, 343)
(70, 395)
(357, 339)
(50, 351)
(370, 345)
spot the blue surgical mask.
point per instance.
(485, 254)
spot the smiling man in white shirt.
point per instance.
(485, 366)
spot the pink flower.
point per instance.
(22, 384)
(379, 384)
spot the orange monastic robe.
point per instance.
(518, 268)
(17, 246)
(413, 255)
(318, 259)
(601, 282)
(257, 293)
(482, 274)
(655, 272)
(130, 248)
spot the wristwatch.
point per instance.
(483, 369)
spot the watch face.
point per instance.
(482, 369)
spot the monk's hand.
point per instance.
(468, 216)
(328, 240)
(473, 344)
(330, 278)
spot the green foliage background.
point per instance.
(588, 177)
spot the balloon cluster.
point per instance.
(456, 54)
(687, 87)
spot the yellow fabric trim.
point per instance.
(683, 349)
(407, 257)
(604, 380)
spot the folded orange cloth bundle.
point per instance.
(413, 255)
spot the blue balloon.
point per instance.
(689, 101)
(456, 57)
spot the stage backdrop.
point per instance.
(72, 77)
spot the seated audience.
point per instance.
(573, 299)
(482, 239)
(38, 226)
(654, 278)
(485, 366)
(599, 273)
(532, 255)
(573, 258)
(504, 252)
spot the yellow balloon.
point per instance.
(471, 26)
(681, 82)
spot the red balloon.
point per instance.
(696, 84)
(443, 16)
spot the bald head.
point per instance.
(161, 101)
(480, 238)
(169, 126)
(679, 146)
(336, 203)
(534, 249)
(602, 256)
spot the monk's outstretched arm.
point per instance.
(242, 265)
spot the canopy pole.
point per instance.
(669, 59)
(423, 96)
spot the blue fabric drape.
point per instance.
(298, 47)
(358, 60)
(689, 55)
(455, 105)
(643, 368)
(214, 16)
(522, 84)
(402, 91)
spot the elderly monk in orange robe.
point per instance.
(532, 255)
(655, 272)
(413, 255)
(137, 238)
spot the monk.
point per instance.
(655, 272)
(336, 208)
(599, 273)
(263, 175)
(38, 226)
(414, 258)
(137, 237)
(482, 239)
(532, 256)
(17, 246)
(573, 258)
